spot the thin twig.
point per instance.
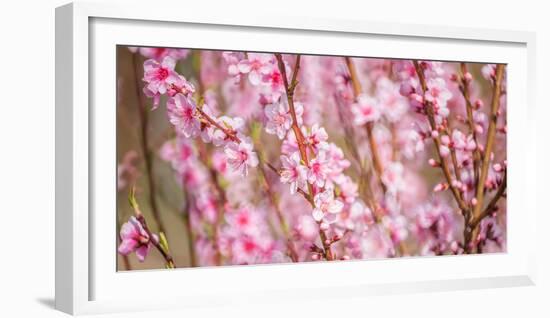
(377, 163)
(437, 141)
(465, 89)
(188, 227)
(495, 104)
(289, 88)
(493, 203)
(153, 239)
(275, 204)
(144, 121)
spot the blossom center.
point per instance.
(162, 74)
(249, 246)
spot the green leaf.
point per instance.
(163, 242)
(132, 198)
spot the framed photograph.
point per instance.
(207, 158)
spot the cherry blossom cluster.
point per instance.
(197, 120)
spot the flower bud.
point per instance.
(433, 163)
(479, 129)
(324, 226)
(474, 201)
(441, 187)
(417, 98)
(454, 246)
(497, 167)
(478, 104)
(467, 77)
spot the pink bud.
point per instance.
(324, 226)
(416, 98)
(315, 256)
(327, 242)
(444, 150)
(345, 258)
(441, 187)
(474, 201)
(478, 104)
(479, 129)
(433, 163)
(445, 139)
(503, 129)
(435, 134)
(453, 77)
(497, 167)
(454, 246)
(468, 77)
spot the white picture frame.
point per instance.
(86, 281)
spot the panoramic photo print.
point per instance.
(240, 158)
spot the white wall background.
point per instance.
(27, 159)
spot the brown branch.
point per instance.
(452, 151)
(377, 163)
(465, 89)
(301, 191)
(144, 122)
(152, 238)
(289, 88)
(229, 133)
(189, 228)
(221, 199)
(274, 202)
(495, 104)
(493, 203)
(437, 141)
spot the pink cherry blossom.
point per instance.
(489, 71)
(181, 113)
(439, 95)
(316, 137)
(159, 76)
(274, 80)
(365, 110)
(326, 207)
(293, 172)
(318, 169)
(241, 156)
(279, 119)
(256, 65)
(134, 238)
(348, 190)
(393, 177)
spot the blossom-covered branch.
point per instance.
(136, 237)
